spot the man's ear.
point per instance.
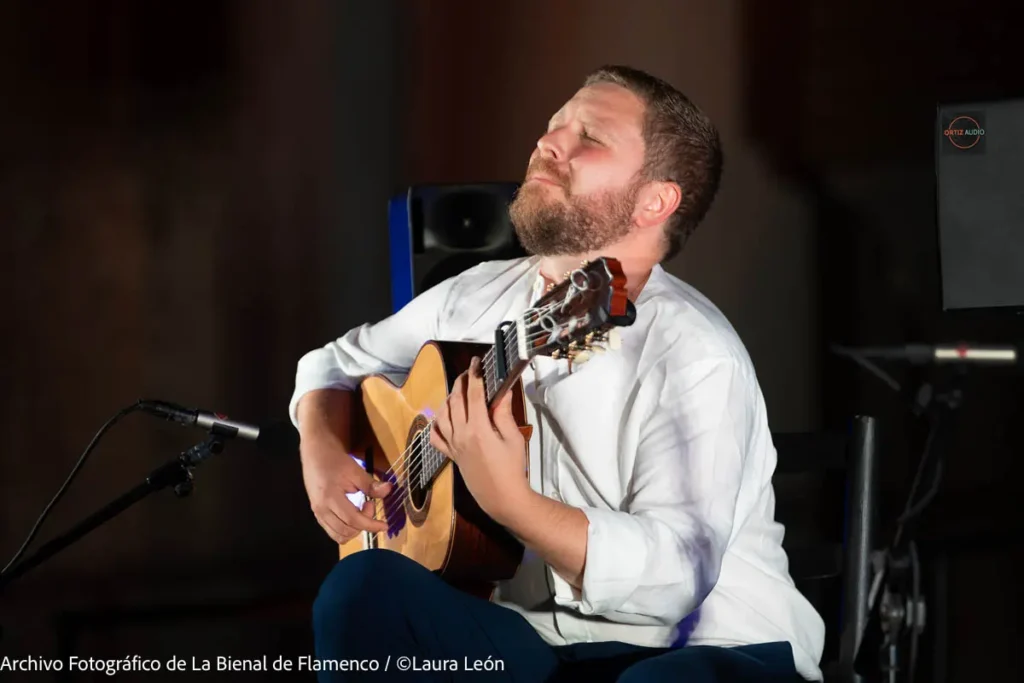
(656, 202)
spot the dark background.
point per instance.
(193, 194)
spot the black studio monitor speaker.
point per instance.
(979, 157)
(437, 231)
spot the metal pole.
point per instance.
(860, 540)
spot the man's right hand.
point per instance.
(329, 473)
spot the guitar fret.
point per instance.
(512, 343)
(423, 457)
(431, 459)
(490, 380)
(426, 460)
(488, 377)
(432, 453)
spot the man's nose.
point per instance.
(553, 145)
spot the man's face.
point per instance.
(583, 178)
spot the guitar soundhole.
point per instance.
(419, 497)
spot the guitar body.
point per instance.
(441, 526)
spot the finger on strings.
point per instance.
(376, 509)
(459, 412)
(476, 401)
(353, 517)
(371, 487)
(439, 441)
(442, 424)
(502, 418)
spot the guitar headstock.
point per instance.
(579, 315)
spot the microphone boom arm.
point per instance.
(176, 473)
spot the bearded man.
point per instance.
(651, 548)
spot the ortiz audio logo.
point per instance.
(964, 132)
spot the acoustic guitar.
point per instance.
(431, 516)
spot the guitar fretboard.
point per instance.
(432, 460)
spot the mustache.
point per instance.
(547, 168)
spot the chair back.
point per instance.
(829, 544)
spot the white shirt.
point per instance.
(664, 444)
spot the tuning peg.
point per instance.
(614, 340)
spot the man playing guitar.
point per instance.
(647, 515)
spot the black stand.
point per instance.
(176, 473)
(896, 602)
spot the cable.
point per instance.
(927, 497)
(912, 509)
(63, 489)
(867, 365)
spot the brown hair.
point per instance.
(681, 145)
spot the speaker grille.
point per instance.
(980, 203)
(438, 231)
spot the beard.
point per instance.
(548, 225)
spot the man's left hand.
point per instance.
(490, 451)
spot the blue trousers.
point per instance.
(380, 616)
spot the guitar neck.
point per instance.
(501, 367)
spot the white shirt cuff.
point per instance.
(316, 371)
(616, 557)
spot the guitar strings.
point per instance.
(408, 459)
(422, 451)
(392, 504)
(421, 448)
(418, 452)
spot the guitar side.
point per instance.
(443, 528)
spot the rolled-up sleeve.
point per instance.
(656, 560)
(388, 346)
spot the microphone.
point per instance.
(277, 436)
(942, 354)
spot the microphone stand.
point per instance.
(896, 605)
(176, 473)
